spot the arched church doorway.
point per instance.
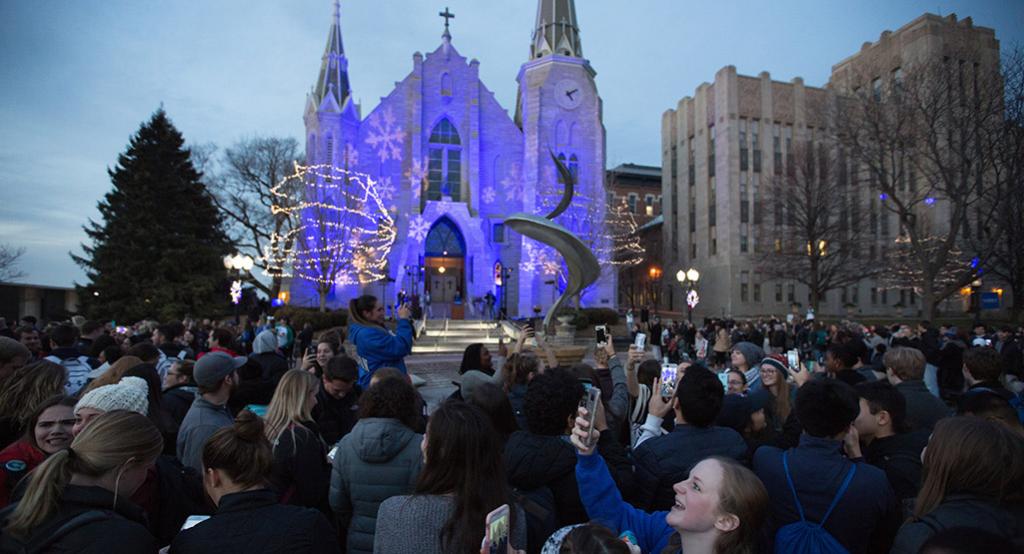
(444, 257)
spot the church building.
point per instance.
(448, 163)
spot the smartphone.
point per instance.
(192, 521)
(793, 360)
(601, 332)
(333, 452)
(810, 365)
(496, 530)
(640, 341)
(724, 378)
(668, 380)
(589, 401)
(311, 349)
(258, 409)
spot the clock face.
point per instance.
(569, 94)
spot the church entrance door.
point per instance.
(444, 258)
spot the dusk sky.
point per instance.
(78, 77)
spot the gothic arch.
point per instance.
(444, 239)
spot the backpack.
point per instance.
(78, 369)
(541, 515)
(166, 362)
(803, 536)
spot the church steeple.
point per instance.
(556, 31)
(333, 79)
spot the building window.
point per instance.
(693, 250)
(788, 142)
(876, 89)
(791, 293)
(444, 165)
(690, 164)
(744, 286)
(711, 151)
(743, 144)
(755, 188)
(744, 200)
(778, 292)
(574, 168)
(446, 85)
(755, 144)
(744, 239)
(855, 295)
(757, 288)
(631, 202)
(776, 150)
(885, 297)
(713, 241)
(649, 205)
(329, 149)
(498, 233)
(693, 217)
(874, 296)
(897, 79)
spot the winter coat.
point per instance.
(866, 518)
(170, 493)
(962, 510)
(924, 409)
(15, 462)
(536, 461)
(379, 459)
(253, 522)
(272, 365)
(899, 456)
(427, 514)
(177, 400)
(301, 472)
(378, 347)
(666, 460)
(117, 531)
(335, 417)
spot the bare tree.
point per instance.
(813, 237)
(1003, 234)
(927, 146)
(9, 259)
(260, 222)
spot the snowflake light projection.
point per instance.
(385, 136)
(350, 155)
(416, 175)
(488, 195)
(385, 188)
(513, 183)
(345, 232)
(418, 228)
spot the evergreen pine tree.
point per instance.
(158, 251)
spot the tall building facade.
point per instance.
(448, 164)
(727, 148)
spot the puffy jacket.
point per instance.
(379, 459)
(116, 531)
(962, 510)
(254, 522)
(377, 347)
(923, 408)
(335, 417)
(536, 461)
(301, 471)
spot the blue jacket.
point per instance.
(604, 504)
(379, 348)
(666, 460)
(866, 518)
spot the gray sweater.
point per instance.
(414, 523)
(202, 420)
(378, 459)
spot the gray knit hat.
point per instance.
(131, 393)
(752, 352)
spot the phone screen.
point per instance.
(724, 378)
(332, 453)
(602, 336)
(496, 530)
(668, 380)
(192, 521)
(793, 359)
(640, 341)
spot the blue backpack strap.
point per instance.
(842, 491)
(792, 489)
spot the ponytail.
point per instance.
(110, 442)
(357, 306)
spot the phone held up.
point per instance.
(601, 332)
(589, 401)
(496, 530)
(640, 341)
(668, 379)
(793, 360)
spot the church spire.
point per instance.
(333, 79)
(556, 31)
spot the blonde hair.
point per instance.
(28, 387)
(113, 374)
(290, 403)
(907, 363)
(744, 496)
(109, 443)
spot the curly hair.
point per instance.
(391, 398)
(551, 400)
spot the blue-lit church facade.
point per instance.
(450, 163)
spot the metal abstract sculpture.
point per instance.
(581, 263)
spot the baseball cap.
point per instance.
(214, 366)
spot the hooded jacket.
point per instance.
(963, 510)
(377, 347)
(379, 459)
(535, 461)
(264, 353)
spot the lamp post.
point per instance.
(237, 263)
(688, 279)
(655, 274)
(506, 277)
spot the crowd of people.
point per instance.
(728, 437)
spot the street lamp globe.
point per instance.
(681, 276)
(229, 261)
(247, 263)
(693, 275)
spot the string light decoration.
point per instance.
(344, 232)
(906, 273)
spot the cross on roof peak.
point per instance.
(446, 15)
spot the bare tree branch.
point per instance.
(9, 259)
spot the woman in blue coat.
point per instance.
(376, 345)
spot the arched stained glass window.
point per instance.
(445, 239)
(444, 169)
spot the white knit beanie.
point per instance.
(131, 393)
